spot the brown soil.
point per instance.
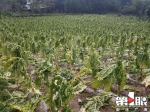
(82, 96)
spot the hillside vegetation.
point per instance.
(131, 7)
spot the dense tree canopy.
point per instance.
(138, 7)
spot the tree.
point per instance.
(59, 5)
(148, 11)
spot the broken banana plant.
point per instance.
(111, 75)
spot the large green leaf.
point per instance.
(96, 103)
(109, 75)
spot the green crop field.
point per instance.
(58, 57)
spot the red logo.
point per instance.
(130, 100)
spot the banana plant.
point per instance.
(142, 60)
(69, 59)
(43, 73)
(16, 97)
(15, 65)
(59, 94)
(93, 62)
(110, 75)
(96, 103)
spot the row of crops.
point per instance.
(59, 52)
